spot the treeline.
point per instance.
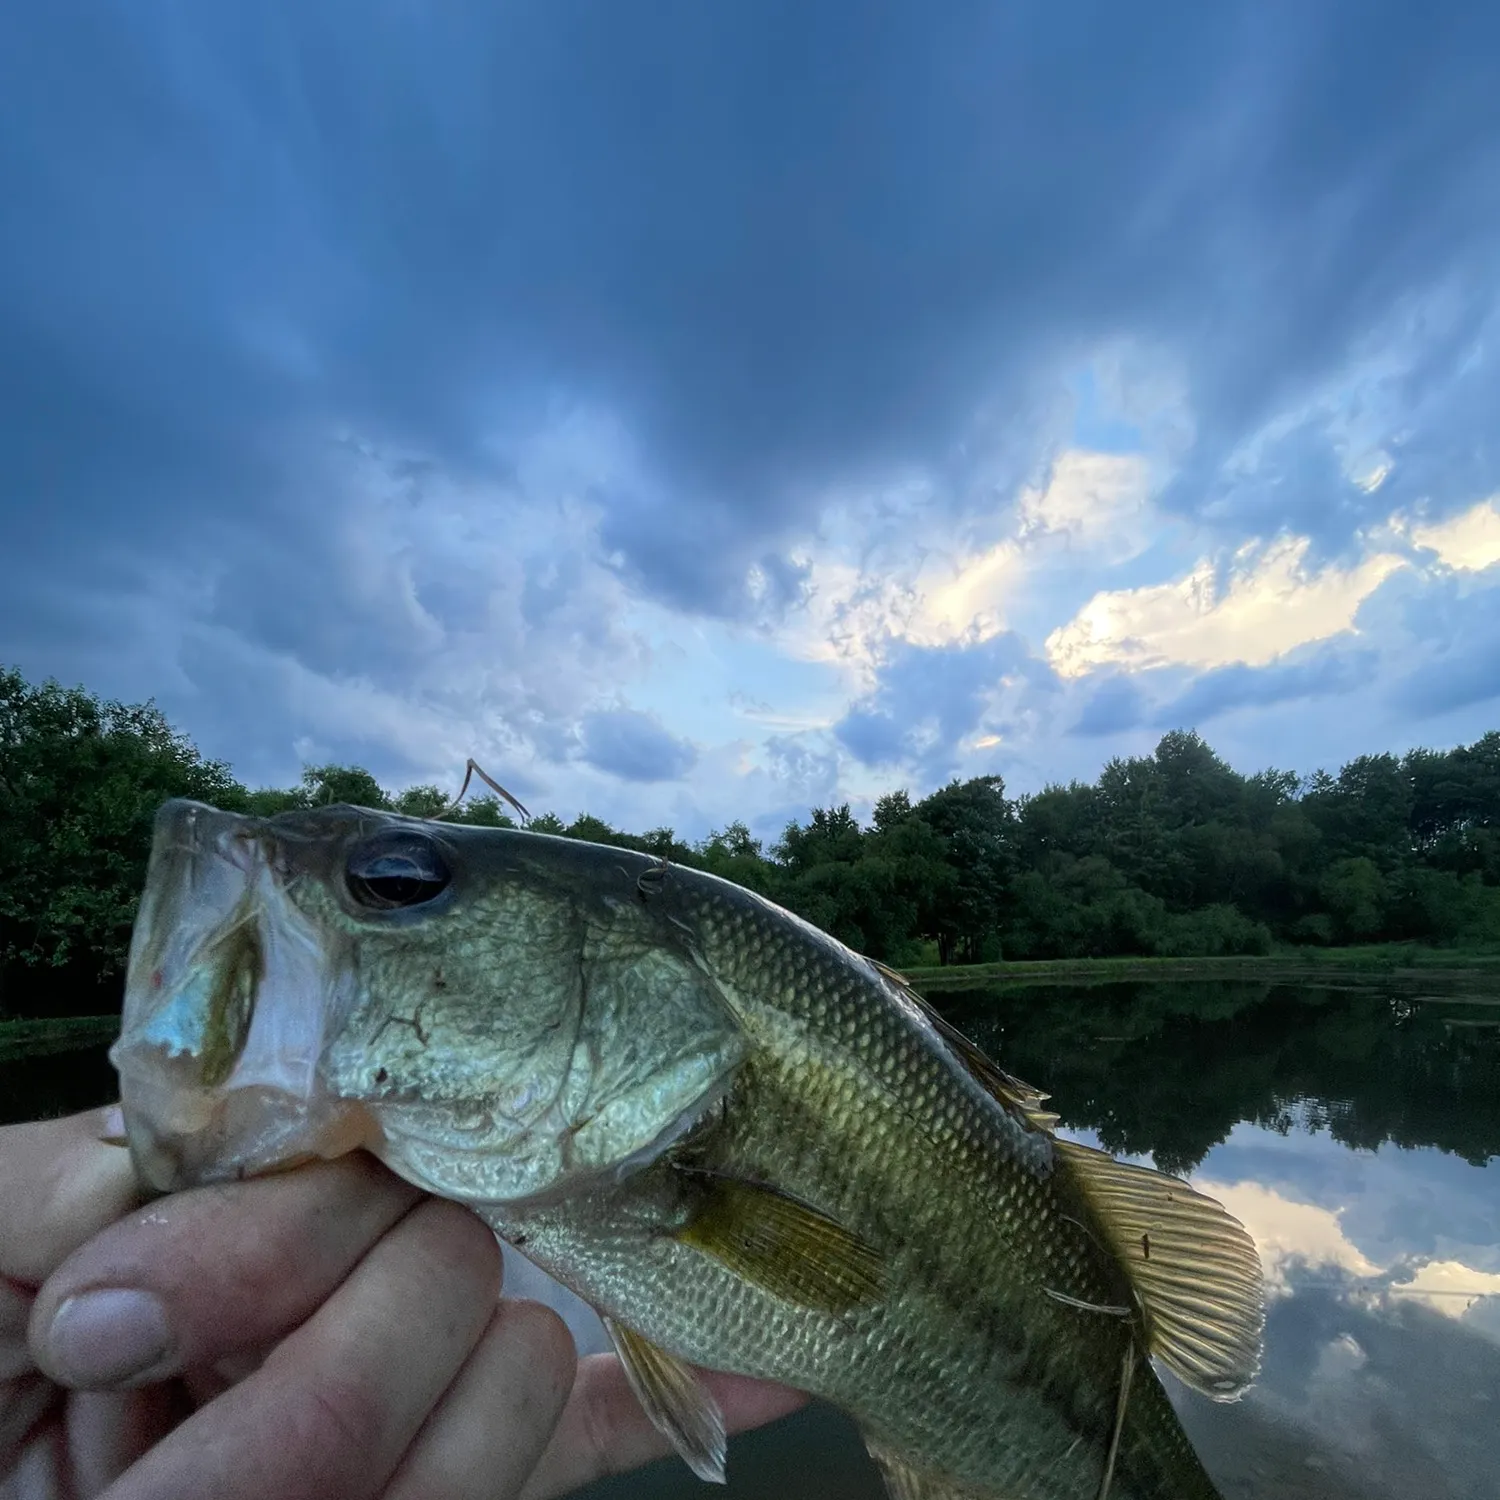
(1174, 853)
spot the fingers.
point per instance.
(336, 1405)
(604, 1431)
(201, 1275)
(496, 1417)
(60, 1184)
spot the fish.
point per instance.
(748, 1147)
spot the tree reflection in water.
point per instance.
(1168, 1070)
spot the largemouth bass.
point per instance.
(748, 1147)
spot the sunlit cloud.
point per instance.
(1449, 1287)
(1288, 1233)
(1469, 541)
(1097, 499)
(881, 571)
(1271, 603)
(1298, 1241)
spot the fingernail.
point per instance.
(112, 1126)
(108, 1338)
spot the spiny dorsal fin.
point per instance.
(903, 1482)
(674, 1399)
(784, 1245)
(1020, 1098)
(1193, 1268)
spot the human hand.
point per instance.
(323, 1332)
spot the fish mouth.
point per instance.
(227, 1001)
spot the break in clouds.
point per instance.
(702, 413)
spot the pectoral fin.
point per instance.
(674, 1399)
(785, 1246)
(1194, 1269)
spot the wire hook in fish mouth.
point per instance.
(472, 769)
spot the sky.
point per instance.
(698, 412)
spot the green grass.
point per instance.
(38, 1038)
(1404, 960)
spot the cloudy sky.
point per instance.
(709, 410)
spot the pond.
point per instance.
(1350, 1126)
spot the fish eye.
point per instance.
(396, 870)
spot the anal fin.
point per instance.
(905, 1482)
(675, 1400)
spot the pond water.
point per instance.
(1353, 1129)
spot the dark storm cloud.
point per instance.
(1115, 705)
(635, 747)
(928, 698)
(787, 244)
(1326, 672)
(1456, 622)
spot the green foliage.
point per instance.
(1173, 854)
(1217, 931)
(483, 812)
(1354, 893)
(421, 801)
(81, 779)
(324, 785)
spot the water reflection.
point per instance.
(1168, 1070)
(1350, 1128)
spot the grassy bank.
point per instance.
(1404, 961)
(40, 1038)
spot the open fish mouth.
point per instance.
(227, 1001)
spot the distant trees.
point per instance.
(1172, 853)
(80, 780)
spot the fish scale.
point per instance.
(749, 1148)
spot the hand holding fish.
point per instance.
(330, 1331)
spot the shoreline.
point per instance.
(1401, 962)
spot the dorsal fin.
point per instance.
(676, 1401)
(1194, 1269)
(1017, 1097)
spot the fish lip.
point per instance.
(202, 861)
(202, 1104)
(249, 1133)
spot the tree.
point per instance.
(1174, 852)
(733, 854)
(323, 785)
(81, 779)
(832, 836)
(1354, 891)
(976, 827)
(421, 801)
